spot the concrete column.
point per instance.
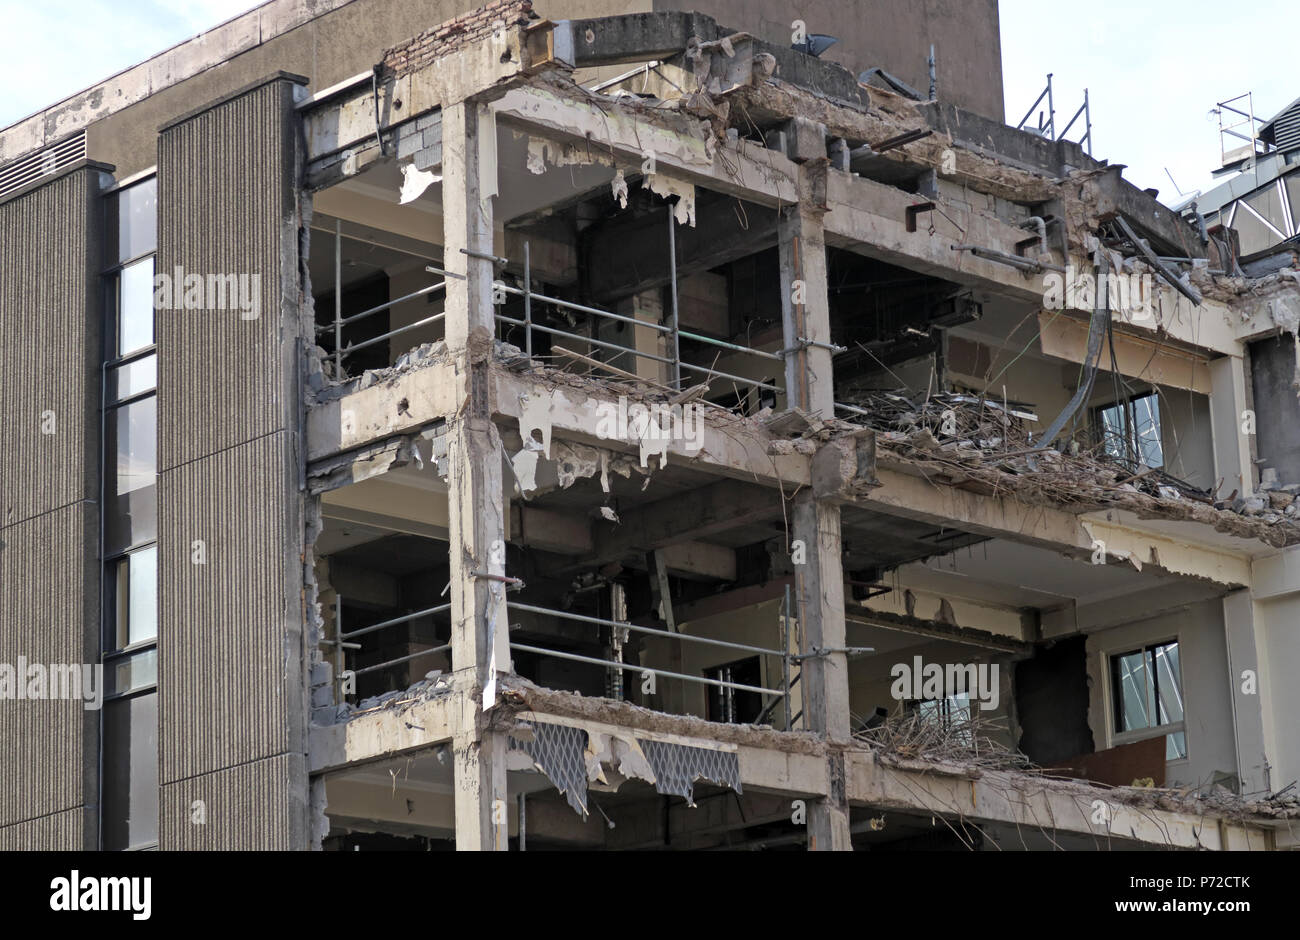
(648, 307)
(480, 638)
(1233, 452)
(819, 604)
(1247, 708)
(819, 581)
(467, 223)
(805, 307)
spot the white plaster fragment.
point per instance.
(536, 156)
(607, 512)
(619, 188)
(666, 186)
(535, 415)
(524, 465)
(415, 182)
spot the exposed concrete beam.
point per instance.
(635, 37)
(913, 497)
(870, 218)
(730, 446)
(1091, 616)
(642, 826)
(1038, 804)
(381, 733)
(408, 403)
(630, 254)
(681, 145)
(681, 519)
(1066, 337)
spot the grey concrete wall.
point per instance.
(232, 706)
(49, 488)
(892, 34)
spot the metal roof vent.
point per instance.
(42, 163)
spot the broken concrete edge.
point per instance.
(523, 705)
(1282, 533)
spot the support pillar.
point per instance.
(819, 581)
(805, 305)
(1233, 450)
(480, 638)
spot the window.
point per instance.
(129, 743)
(1146, 685)
(1130, 431)
(729, 704)
(953, 713)
(130, 804)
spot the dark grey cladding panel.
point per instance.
(230, 644)
(49, 346)
(260, 806)
(49, 609)
(227, 207)
(69, 831)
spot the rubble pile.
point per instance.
(985, 446)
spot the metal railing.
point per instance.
(671, 330)
(780, 695)
(345, 641)
(340, 321)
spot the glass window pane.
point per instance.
(1175, 746)
(1169, 683)
(133, 378)
(1133, 682)
(128, 673)
(1114, 431)
(132, 436)
(143, 612)
(133, 221)
(132, 599)
(135, 307)
(117, 603)
(1146, 425)
(130, 799)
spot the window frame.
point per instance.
(111, 655)
(1127, 406)
(1114, 702)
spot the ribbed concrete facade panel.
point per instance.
(249, 807)
(69, 831)
(232, 699)
(225, 207)
(49, 346)
(224, 646)
(49, 591)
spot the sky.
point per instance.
(1154, 68)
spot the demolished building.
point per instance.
(629, 432)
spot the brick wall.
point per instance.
(456, 33)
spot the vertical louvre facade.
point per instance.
(232, 709)
(49, 481)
